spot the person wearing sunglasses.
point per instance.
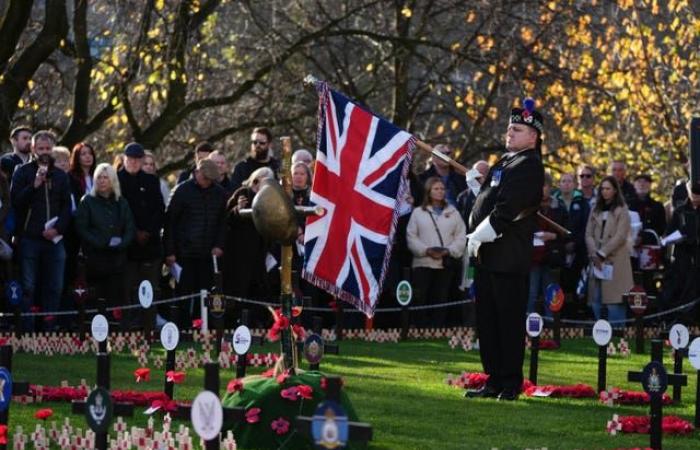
(586, 184)
(260, 156)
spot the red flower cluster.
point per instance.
(58, 394)
(142, 374)
(139, 398)
(44, 414)
(3, 434)
(281, 322)
(641, 425)
(253, 415)
(573, 391)
(280, 426)
(295, 392)
(175, 377)
(632, 397)
(235, 385)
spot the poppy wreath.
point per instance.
(641, 425)
(622, 397)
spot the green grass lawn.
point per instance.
(400, 389)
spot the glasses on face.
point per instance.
(258, 142)
(585, 175)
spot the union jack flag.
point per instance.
(362, 163)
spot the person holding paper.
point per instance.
(105, 225)
(194, 232)
(608, 243)
(682, 277)
(40, 196)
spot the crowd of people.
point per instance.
(66, 218)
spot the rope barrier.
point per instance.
(349, 311)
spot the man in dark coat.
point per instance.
(502, 225)
(142, 191)
(260, 156)
(194, 231)
(618, 169)
(40, 195)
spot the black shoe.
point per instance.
(484, 392)
(508, 395)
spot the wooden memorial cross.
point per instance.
(357, 431)
(170, 338)
(655, 380)
(679, 337)
(602, 332)
(6, 392)
(119, 409)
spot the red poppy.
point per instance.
(269, 373)
(305, 391)
(175, 377)
(291, 393)
(296, 311)
(280, 426)
(574, 391)
(44, 413)
(197, 323)
(253, 415)
(142, 374)
(641, 425)
(235, 385)
(3, 434)
(117, 314)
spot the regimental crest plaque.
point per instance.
(329, 426)
(98, 410)
(313, 348)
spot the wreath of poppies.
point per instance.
(642, 425)
(617, 396)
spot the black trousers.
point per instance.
(501, 302)
(432, 286)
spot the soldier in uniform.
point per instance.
(502, 225)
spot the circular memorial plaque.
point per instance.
(207, 415)
(13, 292)
(554, 297)
(404, 293)
(694, 353)
(169, 336)
(5, 388)
(313, 348)
(242, 340)
(100, 328)
(602, 332)
(98, 410)
(145, 294)
(679, 336)
(654, 378)
(534, 324)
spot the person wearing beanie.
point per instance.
(502, 226)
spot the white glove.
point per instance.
(472, 182)
(483, 233)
